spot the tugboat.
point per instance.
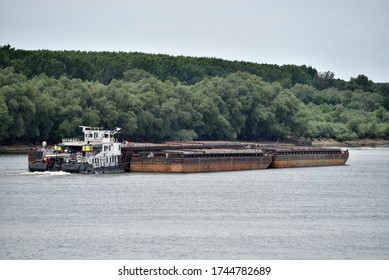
(99, 152)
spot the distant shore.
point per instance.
(23, 148)
(15, 149)
(351, 143)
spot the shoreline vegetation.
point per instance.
(375, 143)
(352, 143)
(47, 95)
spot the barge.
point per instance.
(99, 152)
(286, 157)
(218, 159)
(199, 160)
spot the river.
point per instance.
(338, 212)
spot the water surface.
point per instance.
(339, 212)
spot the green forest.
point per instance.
(46, 95)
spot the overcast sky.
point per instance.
(347, 37)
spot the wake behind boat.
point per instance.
(99, 152)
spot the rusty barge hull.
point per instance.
(307, 157)
(195, 165)
(196, 159)
(199, 160)
(306, 161)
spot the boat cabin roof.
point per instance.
(93, 136)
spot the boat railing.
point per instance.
(70, 140)
(100, 162)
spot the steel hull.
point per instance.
(287, 161)
(82, 168)
(193, 165)
(37, 167)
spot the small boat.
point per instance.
(99, 152)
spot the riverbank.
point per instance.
(15, 149)
(353, 143)
(23, 148)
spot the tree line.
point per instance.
(107, 66)
(46, 95)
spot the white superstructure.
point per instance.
(98, 152)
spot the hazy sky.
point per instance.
(347, 37)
